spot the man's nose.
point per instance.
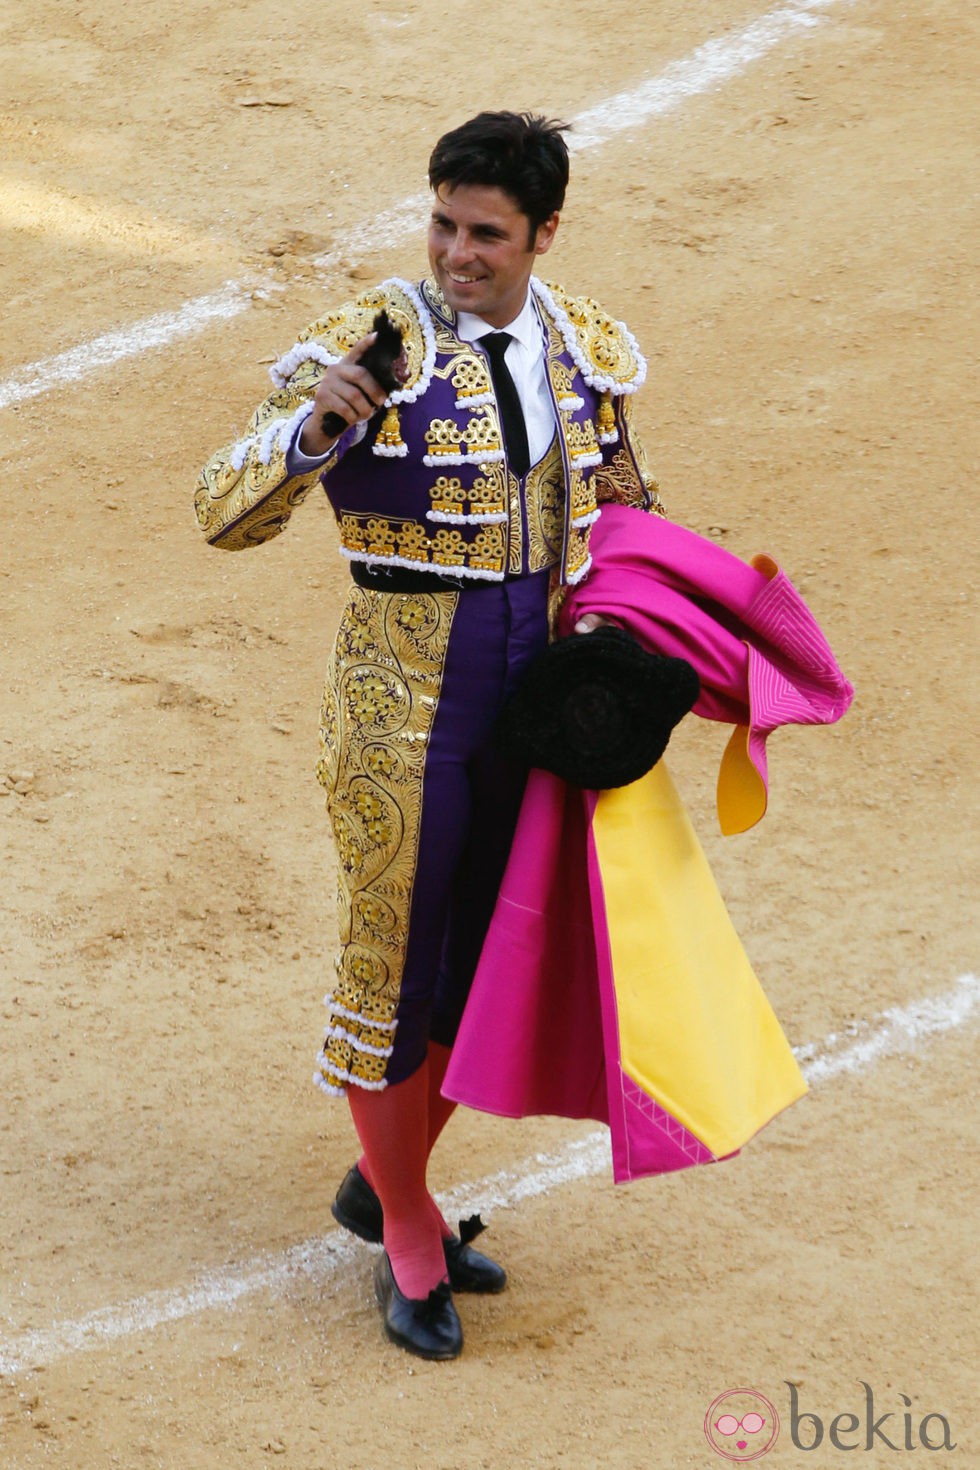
(461, 249)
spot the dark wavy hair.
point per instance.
(523, 155)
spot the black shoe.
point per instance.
(469, 1270)
(358, 1209)
(429, 1328)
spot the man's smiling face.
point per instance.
(482, 250)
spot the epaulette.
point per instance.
(604, 349)
(331, 337)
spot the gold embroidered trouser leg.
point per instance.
(379, 705)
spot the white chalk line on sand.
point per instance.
(708, 66)
(898, 1030)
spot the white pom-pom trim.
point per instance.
(580, 522)
(339, 1034)
(281, 371)
(479, 400)
(320, 1081)
(269, 436)
(292, 425)
(239, 453)
(390, 451)
(610, 438)
(583, 571)
(331, 1091)
(357, 1016)
(453, 518)
(571, 404)
(280, 431)
(409, 395)
(586, 461)
(436, 568)
(489, 456)
(313, 351)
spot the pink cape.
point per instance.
(761, 657)
(612, 985)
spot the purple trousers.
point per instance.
(471, 798)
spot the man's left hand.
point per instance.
(590, 621)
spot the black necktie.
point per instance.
(515, 429)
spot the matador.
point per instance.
(464, 500)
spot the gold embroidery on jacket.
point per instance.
(447, 496)
(578, 550)
(562, 377)
(486, 496)
(483, 499)
(582, 442)
(339, 330)
(244, 495)
(218, 514)
(545, 501)
(626, 478)
(448, 548)
(379, 705)
(444, 436)
(515, 526)
(601, 338)
(471, 378)
(405, 541)
(238, 507)
(583, 494)
(486, 550)
(482, 434)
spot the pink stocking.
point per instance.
(392, 1126)
(441, 1110)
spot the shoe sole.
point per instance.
(468, 1290)
(349, 1222)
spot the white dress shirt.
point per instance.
(525, 362)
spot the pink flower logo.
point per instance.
(741, 1424)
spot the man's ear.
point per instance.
(545, 234)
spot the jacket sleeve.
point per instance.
(624, 475)
(245, 494)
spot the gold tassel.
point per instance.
(606, 415)
(390, 433)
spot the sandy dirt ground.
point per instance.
(792, 248)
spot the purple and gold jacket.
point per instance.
(425, 484)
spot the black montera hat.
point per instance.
(597, 709)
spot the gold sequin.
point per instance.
(443, 437)
(471, 378)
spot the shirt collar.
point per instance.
(525, 327)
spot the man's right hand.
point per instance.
(347, 389)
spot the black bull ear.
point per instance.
(379, 359)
